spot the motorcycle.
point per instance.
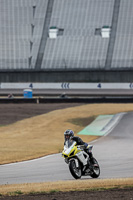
(79, 161)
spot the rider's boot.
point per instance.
(92, 160)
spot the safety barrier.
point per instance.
(69, 100)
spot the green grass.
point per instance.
(37, 193)
(15, 193)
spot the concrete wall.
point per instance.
(67, 76)
(65, 86)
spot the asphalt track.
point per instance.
(71, 92)
(113, 151)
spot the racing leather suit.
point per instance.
(80, 142)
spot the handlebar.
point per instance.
(81, 146)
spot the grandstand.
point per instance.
(79, 52)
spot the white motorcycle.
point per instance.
(79, 161)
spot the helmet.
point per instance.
(68, 134)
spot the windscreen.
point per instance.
(68, 143)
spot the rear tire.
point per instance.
(95, 170)
(76, 172)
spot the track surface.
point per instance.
(71, 92)
(114, 153)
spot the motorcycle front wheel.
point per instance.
(75, 171)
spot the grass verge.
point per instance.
(64, 186)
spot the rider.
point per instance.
(69, 134)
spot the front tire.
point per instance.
(96, 170)
(75, 171)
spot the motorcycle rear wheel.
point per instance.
(76, 172)
(96, 170)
